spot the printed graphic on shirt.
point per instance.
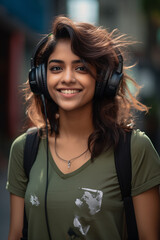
(93, 200)
(78, 224)
(34, 200)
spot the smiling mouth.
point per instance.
(69, 91)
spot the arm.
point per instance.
(147, 211)
(16, 217)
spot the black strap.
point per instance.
(30, 149)
(30, 152)
(124, 173)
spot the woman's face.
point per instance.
(69, 83)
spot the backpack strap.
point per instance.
(124, 173)
(30, 149)
(30, 153)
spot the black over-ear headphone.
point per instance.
(106, 88)
(109, 86)
(38, 74)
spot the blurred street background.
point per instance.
(24, 22)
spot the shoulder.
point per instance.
(20, 139)
(145, 163)
(18, 144)
(139, 136)
(142, 147)
(140, 142)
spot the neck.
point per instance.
(75, 123)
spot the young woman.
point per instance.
(79, 70)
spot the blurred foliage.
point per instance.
(151, 5)
(152, 10)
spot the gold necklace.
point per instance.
(70, 160)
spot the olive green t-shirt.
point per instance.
(85, 203)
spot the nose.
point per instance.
(68, 76)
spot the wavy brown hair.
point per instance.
(95, 45)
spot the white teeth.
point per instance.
(69, 91)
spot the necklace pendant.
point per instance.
(69, 164)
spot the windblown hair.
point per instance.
(95, 45)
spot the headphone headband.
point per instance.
(37, 49)
(119, 69)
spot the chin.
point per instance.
(68, 109)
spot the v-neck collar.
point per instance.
(58, 171)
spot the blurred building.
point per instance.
(21, 24)
(141, 20)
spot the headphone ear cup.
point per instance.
(101, 85)
(109, 87)
(43, 75)
(110, 82)
(38, 80)
(33, 82)
(113, 85)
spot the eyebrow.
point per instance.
(60, 61)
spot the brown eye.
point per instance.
(55, 68)
(81, 68)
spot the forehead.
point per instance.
(63, 50)
(64, 53)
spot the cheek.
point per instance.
(51, 84)
(51, 80)
(48, 80)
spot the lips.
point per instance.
(69, 91)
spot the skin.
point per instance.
(65, 71)
(147, 211)
(16, 217)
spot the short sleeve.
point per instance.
(145, 163)
(16, 179)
